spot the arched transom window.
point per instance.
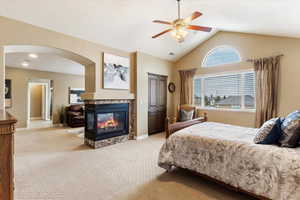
(221, 55)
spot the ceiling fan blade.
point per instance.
(199, 28)
(162, 22)
(155, 36)
(192, 17)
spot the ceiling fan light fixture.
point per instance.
(179, 34)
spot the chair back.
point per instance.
(186, 107)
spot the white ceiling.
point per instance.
(126, 24)
(47, 50)
(49, 59)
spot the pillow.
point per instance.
(186, 115)
(270, 132)
(75, 108)
(291, 130)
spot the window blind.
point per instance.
(235, 91)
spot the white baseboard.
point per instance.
(36, 118)
(141, 137)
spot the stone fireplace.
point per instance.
(108, 122)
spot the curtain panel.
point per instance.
(186, 83)
(267, 77)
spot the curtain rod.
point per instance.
(252, 60)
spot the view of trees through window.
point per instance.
(234, 91)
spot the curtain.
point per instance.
(267, 75)
(186, 82)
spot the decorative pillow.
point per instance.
(75, 107)
(186, 115)
(291, 130)
(270, 132)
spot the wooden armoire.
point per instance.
(157, 103)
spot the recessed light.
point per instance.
(33, 55)
(171, 54)
(25, 64)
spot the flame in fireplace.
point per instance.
(110, 123)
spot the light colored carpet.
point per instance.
(53, 164)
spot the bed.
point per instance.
(226, 153)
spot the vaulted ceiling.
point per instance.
(127, 24)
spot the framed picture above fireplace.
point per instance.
(116, 72)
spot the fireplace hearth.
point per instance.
(106, 124)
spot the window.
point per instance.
(220, 56)
(231, 91)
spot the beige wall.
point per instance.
(250, 46)
(36, 101)
(149, 64)
(20, 79)
(17, 33)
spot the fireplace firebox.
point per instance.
(105, 121)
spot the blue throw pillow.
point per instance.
(291, 130)
(271, 136)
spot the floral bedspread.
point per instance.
(227, 153)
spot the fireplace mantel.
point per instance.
(105, 95)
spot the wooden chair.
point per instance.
(177, 125)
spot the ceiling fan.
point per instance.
(179, 26)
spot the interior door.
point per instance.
(157, 105)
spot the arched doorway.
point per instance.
(33, 66)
